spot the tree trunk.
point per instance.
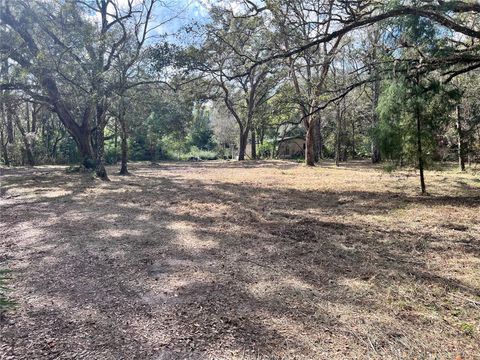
(375, 96)
(354, 155)
(6, 159)
(318, 140)
(101, 117)
(243, 144)
(7, 105)
(376, 158)
(100, 156)
(53, 153)
(124, 148)
(115, 140)
(460, 140)
(27, 141)
(254, 144)
(310, 143)
(84, 145)
(3, 139)
(419, 148)
(338, 134)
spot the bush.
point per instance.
(111, 155)
(389, 167)
(266, 150)
(199, 154)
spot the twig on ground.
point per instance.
(473, 302)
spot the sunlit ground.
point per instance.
(227, 260)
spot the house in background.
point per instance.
(291, 147)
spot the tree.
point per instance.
(200, 132)
(299, 21)
(71, 57)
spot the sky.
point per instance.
(178, 14)
(171, 16)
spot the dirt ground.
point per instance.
(224, 260)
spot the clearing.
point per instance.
(228, 260)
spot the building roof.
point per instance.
(291, 138)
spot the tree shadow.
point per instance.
(162, 266)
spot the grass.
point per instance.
(229, 260)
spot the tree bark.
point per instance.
(354, 155)
(460, 141)
(310, 143)
(84, 145)
(419, 144)
(27, 140)
(375, 96)
(101, 117)
(318, 140)
(3, 138)
(124, 149)
(254, 144)
(243, 144)
(100, 156)
(115, 140)
(6, 159)
(338, 135)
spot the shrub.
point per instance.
(266, 150)
(389, 167)
(199, 154)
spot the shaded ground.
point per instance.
(222, 260)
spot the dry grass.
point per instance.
(229, 261)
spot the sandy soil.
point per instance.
(222, 260)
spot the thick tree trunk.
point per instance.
(101, 117)
(29, 152)
(243, 144)
(124, 148)
(460, 141)
(254, 145)
(100, 156)
(310, 143)
(84, 145)
(318, 140)
(376, 158)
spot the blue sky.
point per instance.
(179, 14)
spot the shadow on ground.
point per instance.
(160, 265)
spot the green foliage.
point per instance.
(173, 148)
(196, 153)
(266, 150)
(111, 154)
(201, 133)
(389, 167)
(399, 105)
(468, 329)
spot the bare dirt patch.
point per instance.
(222, 260)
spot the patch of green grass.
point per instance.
(467, 329)
(5, 302)
(389, 167)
